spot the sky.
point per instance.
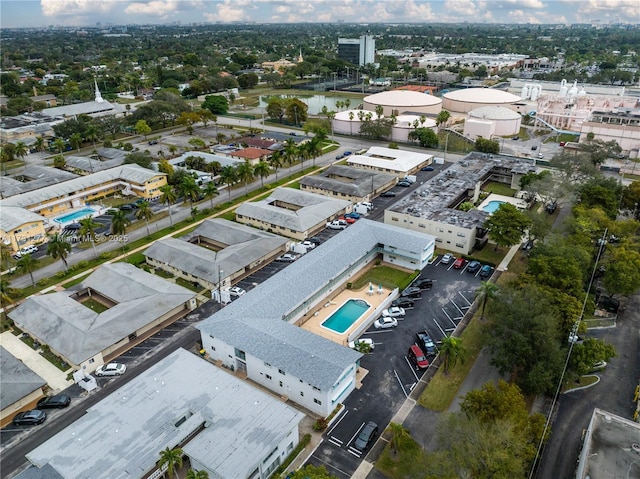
(39, 13)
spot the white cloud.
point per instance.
(159, 8)
(232, 11)
(56, 8)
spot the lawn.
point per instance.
(583, 381)
(408, 461)
(189, 285)
(386, 276)
(488, 255)
(498, 188)
(443, 387)
(94, 305)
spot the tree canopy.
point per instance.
(507, 225)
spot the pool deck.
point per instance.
(314, 319)
(97, 210)
(518, 203)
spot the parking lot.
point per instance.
(391, 375)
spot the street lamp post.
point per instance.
(446, 144)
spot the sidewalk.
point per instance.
(56, 379)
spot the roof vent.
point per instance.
(635, 447)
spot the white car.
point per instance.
(308, 244)
(236, 291)
(385, 323)
(287, 258)
(356, 344)
(393, 312)
(28, 250)
(111, 369)
(337, 225)
(447, 258)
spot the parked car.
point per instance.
(426, 343)
(474, 267)
(534, 147)
(447, 258)
(28, 250)
(287, 258)
(347, 153)
(562, 143)
(426, 168)
(422, 283)
(358, 342)
(353, 214)
(385, 323)
(459, 263)
(366, 435)
(126, 207)
(412, 292)
(337, 225)
(599, 366)
(57, 401)
(404, 184)
(339, 157)
(315, 240)
(403, 303)
(388, 194)
(153, 142)
(110, 212)
(515, 138)
(111, 369)
(29, 418)
(551, 207)
(236, 291)
(486, 271)
(527, 245)
(348, 219)
(417, 357)
(540, 155)
(393, 312)
(308, 244)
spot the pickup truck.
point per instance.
(337, 225)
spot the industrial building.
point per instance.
(398, 102)
(490, 121)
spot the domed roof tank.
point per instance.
(563, 89)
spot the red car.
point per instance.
(459, 263)
(348, 219)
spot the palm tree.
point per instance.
(145, 213)
(173, 149)
(88, 230)
(290, 151)
(119, 223)
(39, 144)
(168, 198)
(27, 263)
(20, 149)
(5, 255)
(210, 190)
(189, 189)
(228, 176)
(171, 459)
(193, 474)
(76, 140)
(6, 293)
(245, 174)
(398, 433)
(262, 169)
(58, 144)
(59, 161)
(451, 350)
(58, 247)
(487, 290)
(276, 162)
(351, 116)
(347, 103)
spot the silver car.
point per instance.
(111, 369)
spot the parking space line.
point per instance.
(354, 451)
(338, 421)
(441, 330)
(356, 433)
(454, 303)
(463, 297)
(400, 382)
(335, 441)
(448, 317)
(412, 368)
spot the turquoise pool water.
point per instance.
(76, 215)
(344, 317)
(492, 206)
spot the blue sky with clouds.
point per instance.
(37, 13)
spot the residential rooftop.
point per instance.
(123, 434)
(390, 159)
(33, 177)
(347, 180)
(16, 379)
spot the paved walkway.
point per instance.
(504, 264)
(56, 379)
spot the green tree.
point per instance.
(76, 140)
(165, 167)
(586, 354)
(142, 128)
(398, 433)
(245, 174)
(59, 162)
(425, 136)
(119, 223)
(296, 111)
(168, 197)
(487, 146)
(451, 350)
(229, 177)
(276, 108)
(262, 169)
(140, 158)
(171, 459)
(59, 145)
(193, 474)
(559, 264)
(276, 162)
(6, 293)
(216, 104)
(59, 247)
(443, 117)
(189, 189)
(507, 225)
(622, 275)
(144, 212)
(311, 472)
(197, 143)
(210, 190)
(27, 263)
(486, 291)
(21, 149)
(88, 230)
(604, 193)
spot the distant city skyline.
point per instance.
(89, 13)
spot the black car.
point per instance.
(426, 343)
(403, 303)
(404, 184)
(426, 168)
(315, 240)
(366, 435)
(57, 401)
(29, 418)
(423, 283)
(126, 208)
(412, 292)
(388, 194)
(474, 267)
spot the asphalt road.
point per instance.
(614, 393)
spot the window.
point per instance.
(317, 401)
(316, 389)
(133, 336)
(280, 383)
(461, 235)
(267, 376)
(301, 393)
(267, 364)
(239, 354)
(213, 348)
(281, 372)
(91, 361)
(394, 218)
(459, 245)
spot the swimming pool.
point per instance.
(346, 315)
(76, 215)
(492, 206)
